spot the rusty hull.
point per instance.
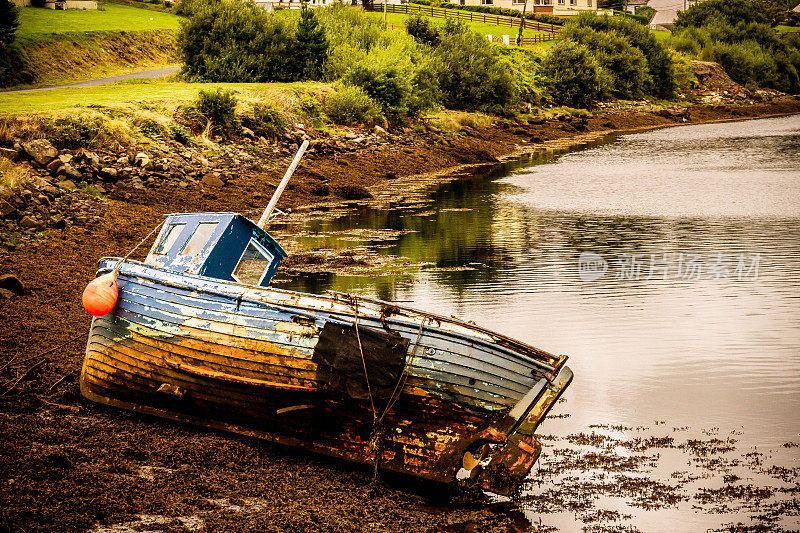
(171, 357)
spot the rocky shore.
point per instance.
(68, 465)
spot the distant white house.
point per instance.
(563, 8)
(61, 4)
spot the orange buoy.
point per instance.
(100, 296)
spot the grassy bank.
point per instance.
(398, 20)
(39, 23)
(67, 57)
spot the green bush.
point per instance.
(9, 22)
(180, 133)
(470, 73)
(625, 65)
(350, 105)
(659, 63)
(311, 50)
(422, 30)
(265, 121)
(572, 74)
(524, 65)
(491, 10)
(384, 82)
(729, 12)
(189, 117)
(219, 108)
(237, 42)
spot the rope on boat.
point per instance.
(115, 271)
(364, 363)
(401, 382)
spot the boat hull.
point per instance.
(241, 359)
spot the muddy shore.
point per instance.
(69, 465)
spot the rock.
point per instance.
(58, 221)
(6, 193)
(141, 160)
(352, 192)
(10, 282)
(6, 294)
(213, 180)
(7, 210)
(536, 120)
(124, 160)
(247, 132)
(28, 222)
(9, 153)
(377, 130)
(65, 158)
(54, 165)
(68, 185)
(108, 172)
(93, 159)
(40, 150)
(70, 171)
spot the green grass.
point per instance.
(131, 92)
(497, 32)
(787, 29)
(35, 22)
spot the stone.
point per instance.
(6, 192)
(70, 171)
(54, 165)
(93, 159)
(68, 185)
(247, 132)
(213, 180)
(108, 172)
(10, 282)
(7, 210)
(99, 188)
(65, 158)
(124, 160)
(141, 160)
(6, 294)
(58, 221)
(28, 222)
(40, 150)
(379, 131)
(9, 153)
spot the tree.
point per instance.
(9, 22)
(572, 74)
(312, 45)
(731, 12)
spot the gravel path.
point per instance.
(151, 74)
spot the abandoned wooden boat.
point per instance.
(198, 335)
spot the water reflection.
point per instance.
(683, 337)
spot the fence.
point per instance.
(471, 16)
(535, 38)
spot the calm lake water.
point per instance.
(665, 264)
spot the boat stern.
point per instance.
(517, 448)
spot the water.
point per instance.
(665, 264)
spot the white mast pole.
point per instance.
(262, 222)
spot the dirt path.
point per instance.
(144, 74)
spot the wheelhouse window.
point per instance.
(199, 238)
(168, 238)
(253, 264)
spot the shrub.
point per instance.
(625, 65)
(659, 63)
(237, 42)
(311, 49)
(151, 127)
(94, 131)
(9, 22)
(350, 105)
(572, 74)
(188, 116)
(422, 30)
(470, 73)
(180, 133)
(265, 121)
(219, 108)
(729, 12)
(524, 65)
